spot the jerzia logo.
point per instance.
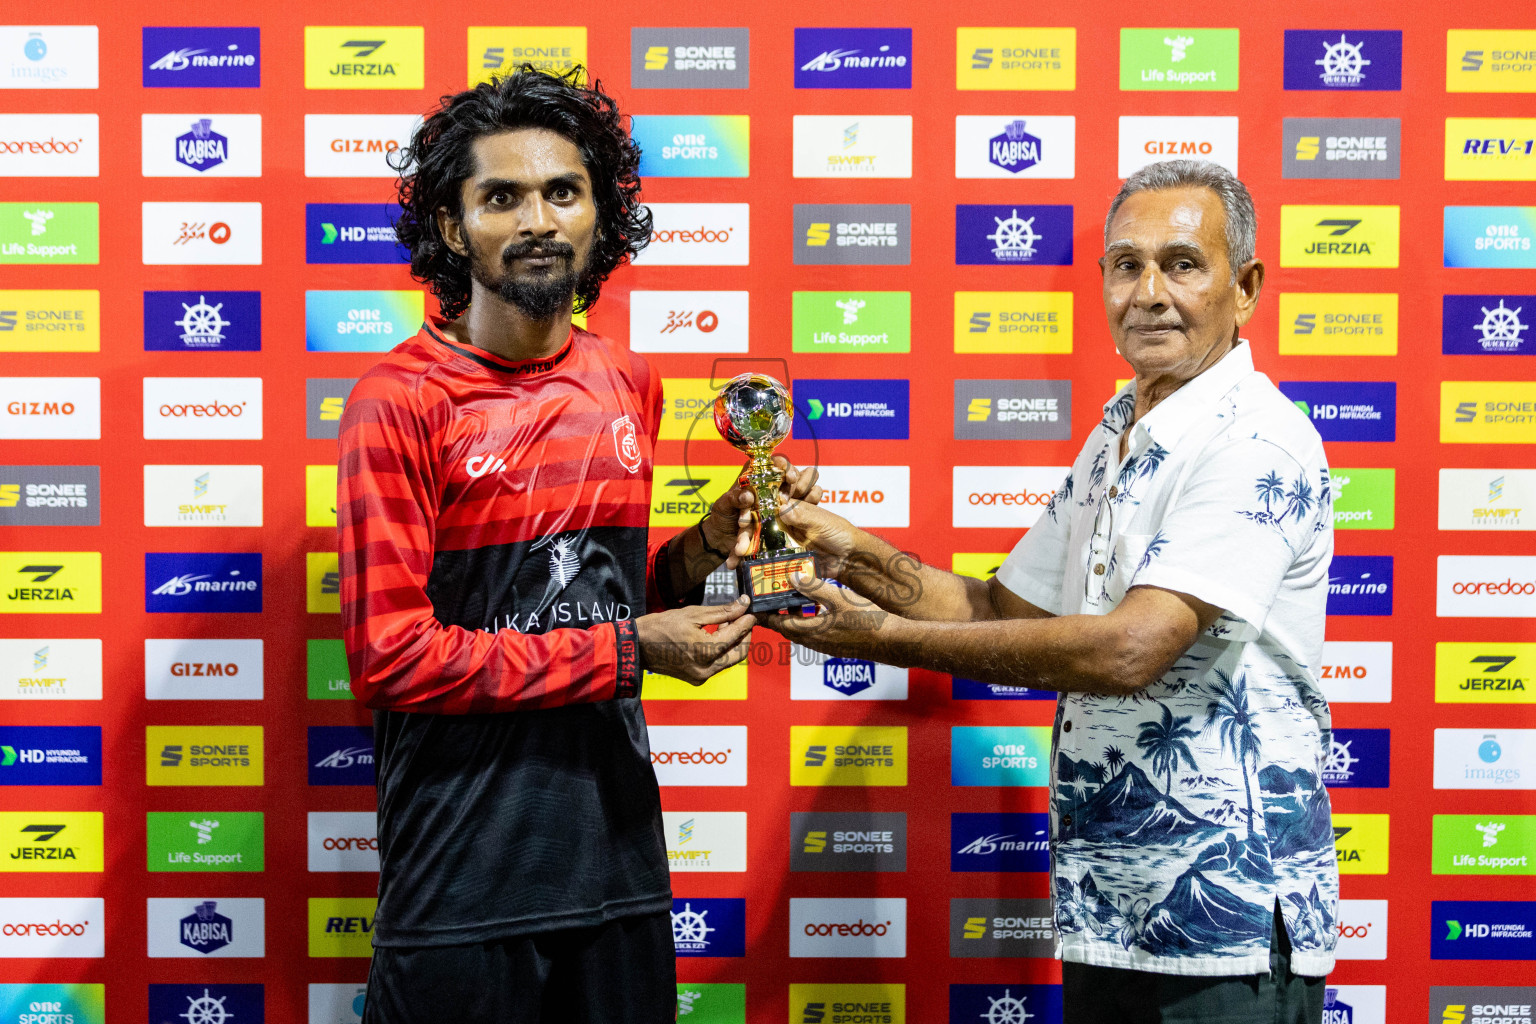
(363, 57)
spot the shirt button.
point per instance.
(1098, 570)
(1066, 726)
(1066, 819)
(1114, 491)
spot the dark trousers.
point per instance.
(1113, 995)
(621, 972)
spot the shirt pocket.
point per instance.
(1125, 559)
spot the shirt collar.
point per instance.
(1174, 415)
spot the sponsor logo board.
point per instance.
(709, 927)
(873, 927)
(868, 496)
(1353, 410)
(50, 408)
(48, 57)
(1013, 235)
(999, 755)
(202, 234)
(51, 145)
(1338, 324)
(200, 145)
(50, 321)
(324, 400)
(1339, 236)
(50, 495)
(690, 58)
(195, 927)
(1355, 1004)
(1363, 499)
(693, 146)
(844, 409)
(1356, 671)
(1490, 236)
(50, 582)
(1013, 322)
(697, 235)
(52, 927)
(206, 841)
(355, 145)
(1358, 759)
(202, 321)
(495, 52)
(1490, 149)
(184, 57)
(1013, 410)
(195, 669)
(202, 408)
(1010, 496)
(50, 755)
(50, 233)
(1487, 325)
(1353, 59)
(1360, 843)
(361, 321)
(824, 755)
(1487, 499)
(1362, 930)
(816, 676)
(1341, 147)
(50, 669)
(1015, 58)
(352, 233)
(993, 841)
(1485, 673)
(1490, 60)
(689, 410)
(847, 841)
(1482, 930)
(688, 321)
(699, 755)
(853, 58)
(1148, 140)
(341, 755)
(51, 841)
(364, 57)
(852, 322)
(1181, 59)
(975, 689)
(1001, 928)
(705, 840)
(1485, 759)
(1484, 586)
(987, 1003)
(850, 146)
(202, 495)
(863, 234)
(1017, 146)
(343, 841)
(341, 926)
(1484, 844)
(1487, 412)
(848, 1004)
(203, 755)
(202, 582)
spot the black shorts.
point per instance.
(621, 972)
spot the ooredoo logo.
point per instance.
(343, 841)
(697, 235)
(1362, 930)
(848, 927)
(699, 755)
(1482, 586)
(48, 928)
(1011, 496)
(49, 145)
(203, 408)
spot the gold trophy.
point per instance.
(754, 414)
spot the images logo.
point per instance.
(999, 842)
(987, 755)
(688, 321)
(815, 676)
(497, 52)
(50, 495)
(50, 582)
(988, 1003)
(846, 233)
(1479, 844)
(364, 57)
(847, 756)
(226, 58)
(852, 322)
(197, 928)
(1485, 673)
(853, 58)
(48, 57)
(1360, 585)
(1490, 236)
(1341, 147)
(1338, 324)
(1022, 146)
(1360, 843)
(51, 841)
(1013, 322)
(1001, 928)
(1490, 60)
(341, 927)
(343, 841)
(203, 755)
(206, 841)
(1487, 412)
(189, 669)
(1358, 759)
(698, 235)
(689, 58)
(1185, 59)
(49, 145)
(847, 841)
(215, 1004)
(699, 755)
(1013, 235)
(1364, 499)
(1485, 759)
(699, 146)
(1482, 930)
(1016, 58)
(1147, 140)
(1347, 410)
(49, 233)
(851, 409)
(202, 582)
(848, 927)
(351, 233)
(709, 927)
(1343, 59)
(1487, 499)
(48, 928)
(1013, 410)
(829, 146)
(201, 234)
(847, 1004)
(1339, 236)
(202, 321)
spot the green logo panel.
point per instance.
(206, 841)
(1180, 59)
(1363, 499)
(712, 1004)
(50, 233)
(852, 322)
(1484, 844)
(326, 667)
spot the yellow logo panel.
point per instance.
(494, 52)
(1490, 148)
(1013, 322)
(689, 405)
(364, 57)
(203, 755)
(341, 926)
(50, 321)
(1338, 324)
(886, 1004)
(1487, 412)
(982, 565)
(320, 496)
(1016, 58)
(1360, 840)
(828, 755)
(680, 495)
(51, 841)
(1490, 60)
(731, 684)
(322, 583)
(1485, 673)
(50, 582)
(1338, 236)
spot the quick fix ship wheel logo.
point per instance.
(1013, 235)
(709, 927)
(1358, 759)
(1491, 325)
(207, 1004)
(1344, 59)
(202, 321)
(1004, 1004)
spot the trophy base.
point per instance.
(766, 580)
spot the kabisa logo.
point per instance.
(361, 321)
(204, 1004)
(49, 57)
(689, 58)
(52, 320)
(1341, 147)
(1013, 322)
(1015, 410)
(1490, 236)
(1013, 235)
(1490, 149)
(49, 927)
(227, 58)
(1347, 410)
(1001, 928)
(1339, 236)
(692, 146)
(1015, 149)
(1344, 59)
(848, 756)
(1025, 146)
(352, 233)
(198, 928)
(1485, 586)
(848, 841)
(1338, 323)
(364, 57)
(1149, 140)
(50, 755)
(1015, 58)
(49, 233)
(1358, 759)
(1360, 585)
(847, 1004)
(1003, 755)
(1007, 1004)
(1490, 60)
(1485, 673)
(863, 234)
(1485, 759)
(202, 148)
(709, 927)
(993, 841)
(1355, 1004)
(698, 235)
(848, 927)
(1487, 325)
(1487, 412)
(51, 841)
(50, 495)
(1184, 59)
(1484, 844)
(206, 841)
(204, 755)
(851, 409)
(853, 58)
(325, 399)
(1482, 930)
(202, 321)
(202, 582)
(815, 676)
(341, 755)
(205, 929)
(852, 322)
(56, 582)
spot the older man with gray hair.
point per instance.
(1174, 592)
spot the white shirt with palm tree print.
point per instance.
(1181, 815)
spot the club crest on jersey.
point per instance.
(479, 465)
(626, 443)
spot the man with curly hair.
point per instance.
(496, 574)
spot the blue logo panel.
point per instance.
(1357, 759)
(1488, 325)
(221, 58)
(974, 689)
(1482, 930)
(999, 755)
(1490, 236)
(1037, 1004)
(341, 755)
(1360, 585)
(1347, 59)
(709, 927)
(202, 321)
(202, 582)
(832, 410)
(692, 146)
(50, 755)
(1015, 235)
(352, 233)
(236, 1004)
(361, 321)
(853, 58)
(1000, 842)
(1347, 410)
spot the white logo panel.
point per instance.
(868, 496)
(1482, 586)
(697, 235)
(336, 1004)
(1488, 499)
(343, 841)
(48, 57)
(1011, 496)
(49, 928)
(1148, 140)
(50, 408)
(202, 495)
(200, 145)
(1485, 758)
(1356, 671)
(198, 927)
(1018, 146)
(50, 146)
(188, 669)
(848, 927)
(1362, 930)
(48, 669)
(706, 840)
(202, 408)
(202, 234)
(688, 321)
(699, 755)
(355, 145)
(832, 146)
(815, 676)
(1367, 1004)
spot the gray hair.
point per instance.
(1242, 224)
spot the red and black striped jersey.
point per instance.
(493, 550)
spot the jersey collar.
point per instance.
(524, 368)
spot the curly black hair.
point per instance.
(440, 157)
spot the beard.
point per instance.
(539, 293)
